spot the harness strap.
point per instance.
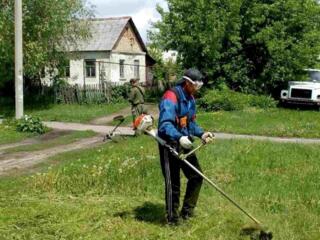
(181, 121)
(140, 90)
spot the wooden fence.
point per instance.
(93, 93)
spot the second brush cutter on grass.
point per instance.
(111, 134)
(144, 123)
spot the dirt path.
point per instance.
(17, 161)
(47, 136)
(84, 127)
(151, 109)
(129, 132)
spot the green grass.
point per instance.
(75, 112)
(67, 113)
(115, 191)
(8, 134)
(272, 122)
(61, 140)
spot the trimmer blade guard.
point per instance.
(265, 235)
(256, 232)
(119, 118)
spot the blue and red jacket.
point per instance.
(177, 115)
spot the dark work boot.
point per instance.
(173, 221)
(186, 214)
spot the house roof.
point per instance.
(105, 33)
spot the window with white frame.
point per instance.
(90, 67)
(136, 69)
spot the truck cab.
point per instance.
(303, 92)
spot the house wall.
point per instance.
(109, 65)
(77, 71)
(128, 67)
(128, 42)
(77, 64)
(170, 55)
(128, 49)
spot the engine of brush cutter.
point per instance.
(143, 123)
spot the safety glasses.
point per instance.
(197, 84)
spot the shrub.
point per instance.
(30, 124)
(119, 93)
(262, 101)
(229, 100)
(153, 95)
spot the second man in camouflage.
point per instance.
(136, 98)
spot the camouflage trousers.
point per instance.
(137, 110)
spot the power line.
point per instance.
(124, 64)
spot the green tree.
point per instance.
(48, 27)
(251, 45)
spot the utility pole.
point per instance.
(18, 58)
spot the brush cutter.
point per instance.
(144, 123)
(111, 134)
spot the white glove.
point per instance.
(185, 142)
(207, 137)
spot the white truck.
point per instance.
(303, 92)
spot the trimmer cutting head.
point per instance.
(111, 135)
(265, 235)
(119, 118)
(256, 232)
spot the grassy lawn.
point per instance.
(8, 134)
(66, 112)
(115, 191)
(272, 122)
(75, 112)
(61, 140)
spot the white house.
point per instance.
(170, 55)
(115, 53)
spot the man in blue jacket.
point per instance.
(177, 126)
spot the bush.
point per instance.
(30, 124)
(229, 100)
(119, 93)
(153, 95)
(262, 101)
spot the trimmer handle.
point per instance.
(183, 156)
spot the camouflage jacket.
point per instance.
(136, 95)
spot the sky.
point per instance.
(143, 12)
